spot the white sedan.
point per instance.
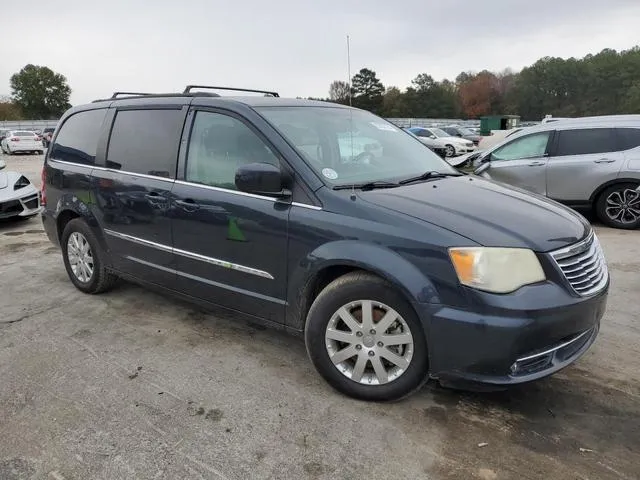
(454, 145)
(21, 141)
(18, 196)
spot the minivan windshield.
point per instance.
(347, 146)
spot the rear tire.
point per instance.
(386, 364)
(84, 259)
(618, 206)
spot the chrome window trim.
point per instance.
(207, 281)
(225, 190)
(306, 205)
(184, 182)
(113, 170)
(192, 255)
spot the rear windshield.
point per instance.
(23, 134)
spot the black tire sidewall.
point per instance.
(601, 205)
(78, 225)
(328, 302)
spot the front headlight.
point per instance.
(497, 270)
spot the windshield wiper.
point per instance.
(367, 185)
(427, 176)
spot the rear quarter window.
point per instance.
(77, 141)
(629, 138)
(146, 141)
(584, 141)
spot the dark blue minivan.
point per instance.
(329, 222)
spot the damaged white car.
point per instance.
(18, 196)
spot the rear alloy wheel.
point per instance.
(451, 151)
(365, 339)
(84, 258)
(619, 206)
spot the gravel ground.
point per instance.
(131, 384)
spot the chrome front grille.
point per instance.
(583, 265)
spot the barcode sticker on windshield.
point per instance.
(384, 126)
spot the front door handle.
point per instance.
(188, 205)
(604, 160)
(536, 164)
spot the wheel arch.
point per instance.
(594, 196)
(72, 206)
(333, 260)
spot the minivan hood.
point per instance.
(486, 212)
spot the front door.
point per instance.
(230, 247)
(522, 162)
(132, 191)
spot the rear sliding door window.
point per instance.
(145, 141)
(585, 141)
(77, 140)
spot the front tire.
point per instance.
(366, 340)
(84, 259)
(619, 206)
(451, 151)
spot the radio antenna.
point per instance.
(349, 68)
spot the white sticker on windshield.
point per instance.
(330, 173)
(384, 126)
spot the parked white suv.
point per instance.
(584, 163)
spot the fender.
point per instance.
(387, 264)
(599, 190)
(79, 202)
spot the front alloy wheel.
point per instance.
(366, 339)
(369, 342)
(451, 151)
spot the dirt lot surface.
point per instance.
(131, 384)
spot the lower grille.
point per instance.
(583, 265)
(11, 207)
(542, 360)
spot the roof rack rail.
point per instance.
(189, 87)
(131, 94)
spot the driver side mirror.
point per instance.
(261, 179)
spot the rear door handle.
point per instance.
(188, 205)
(604, 160)
(536, 164)
(153, 196)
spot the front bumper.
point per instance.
(23, 206)
(514, 338)
(462, 150)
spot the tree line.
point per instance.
(37, 93)
(601, 84)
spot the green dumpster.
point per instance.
(498, 122)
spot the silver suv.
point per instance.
(591, 162)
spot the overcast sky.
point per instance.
(297, 47)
